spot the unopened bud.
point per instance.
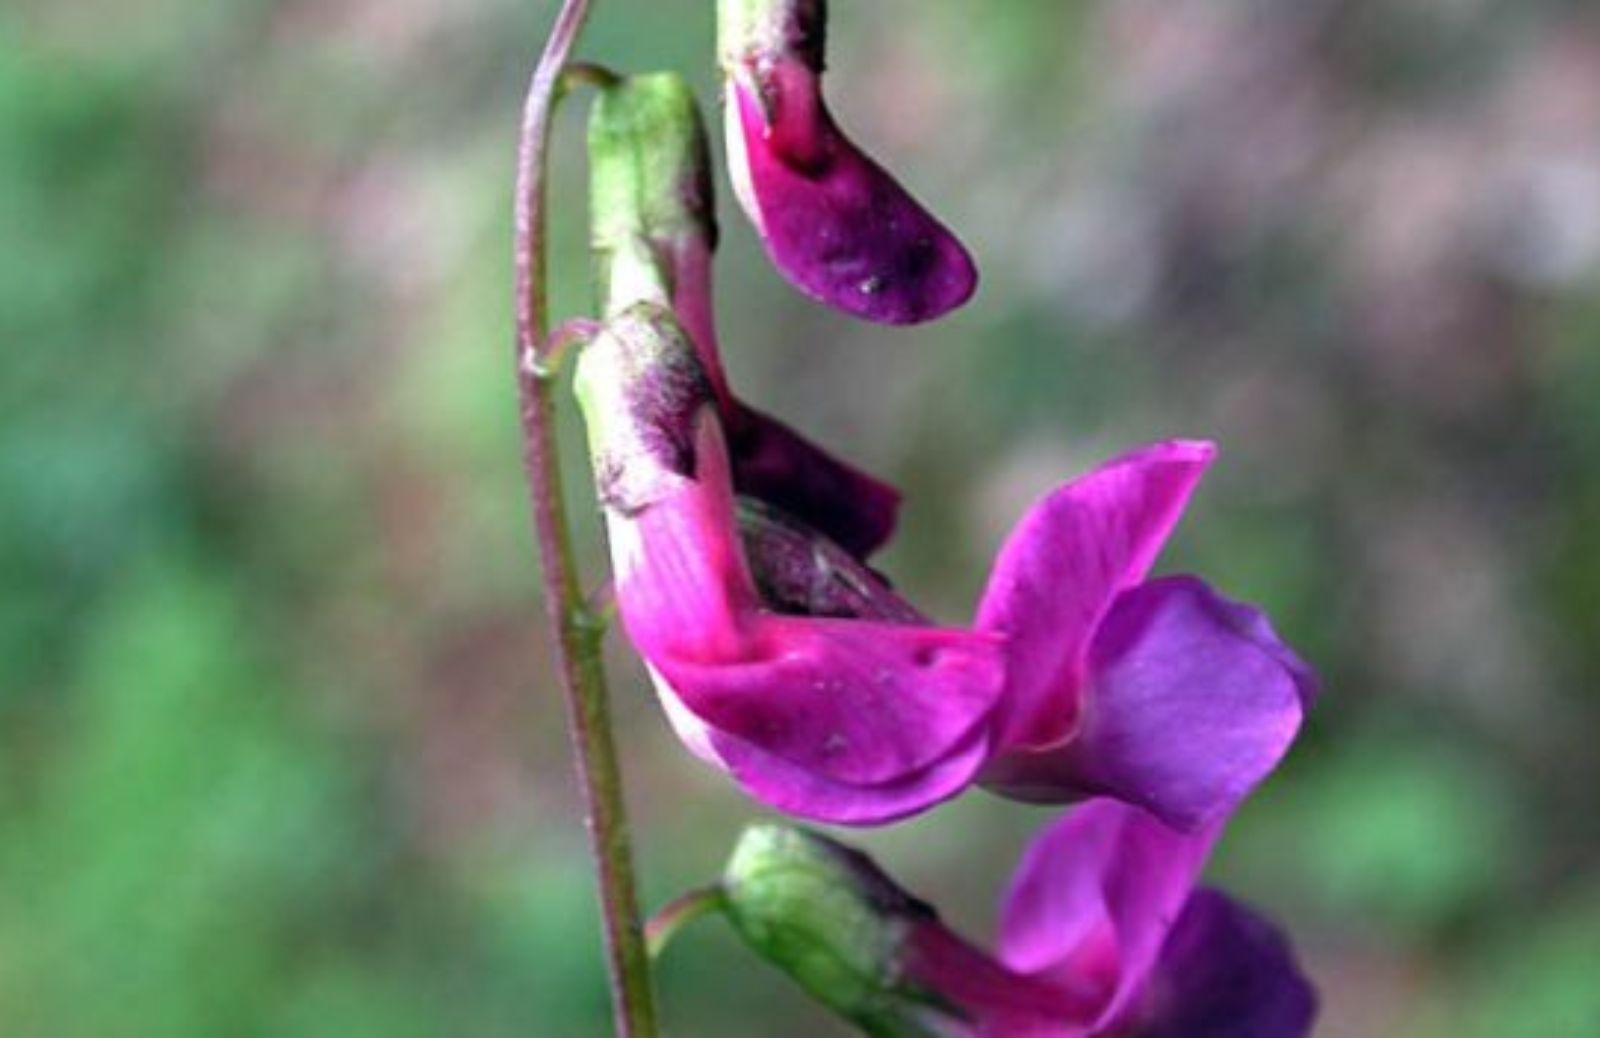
(830, 918)
(650, 192)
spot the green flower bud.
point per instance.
(650, 192)
(830, 918)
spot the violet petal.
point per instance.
(1225, 973)
(1192, 701)
(1093, 900)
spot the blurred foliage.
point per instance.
(278, 750)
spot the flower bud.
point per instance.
(830, 918)
(650, 198)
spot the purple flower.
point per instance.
(1103, 908)
(1102, 934)
(833, 221)
(784, 660)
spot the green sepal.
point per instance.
(650, 192)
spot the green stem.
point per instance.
(577, 638)
(678, 913)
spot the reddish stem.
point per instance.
(576, 635)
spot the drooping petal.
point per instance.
(1061, 567)
(834, 223)
(1225, 972)
(1093, 900)
(777, 465)
(1191, 701)
(803, 793)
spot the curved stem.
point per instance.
(662, 927)
(577, 640)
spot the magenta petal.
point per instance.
(806, 794)
(855, 702)
(1225, 973)
(1093, 900)
(1192, 701)
(775, 464)
(835, 224)
(1062, 566)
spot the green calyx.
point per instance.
(650, 192)
(760, 31)
(830, 918)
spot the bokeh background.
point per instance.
(279, 749)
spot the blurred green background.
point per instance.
(279, 750)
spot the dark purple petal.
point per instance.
(1060, 569)
(1093, 900)
(1225, 973)
(835, 224)
(775, 464)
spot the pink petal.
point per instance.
(835, 224)
(806, 794)
(853, 701)
(1093, 900)
(683, 587)
(1060, 569)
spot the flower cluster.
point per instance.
(740, 554)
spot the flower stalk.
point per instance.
(576, 633)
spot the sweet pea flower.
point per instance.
(834, 223)
(1102, 934)
(653, 235)
(784, 660)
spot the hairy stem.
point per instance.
(577, 638)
